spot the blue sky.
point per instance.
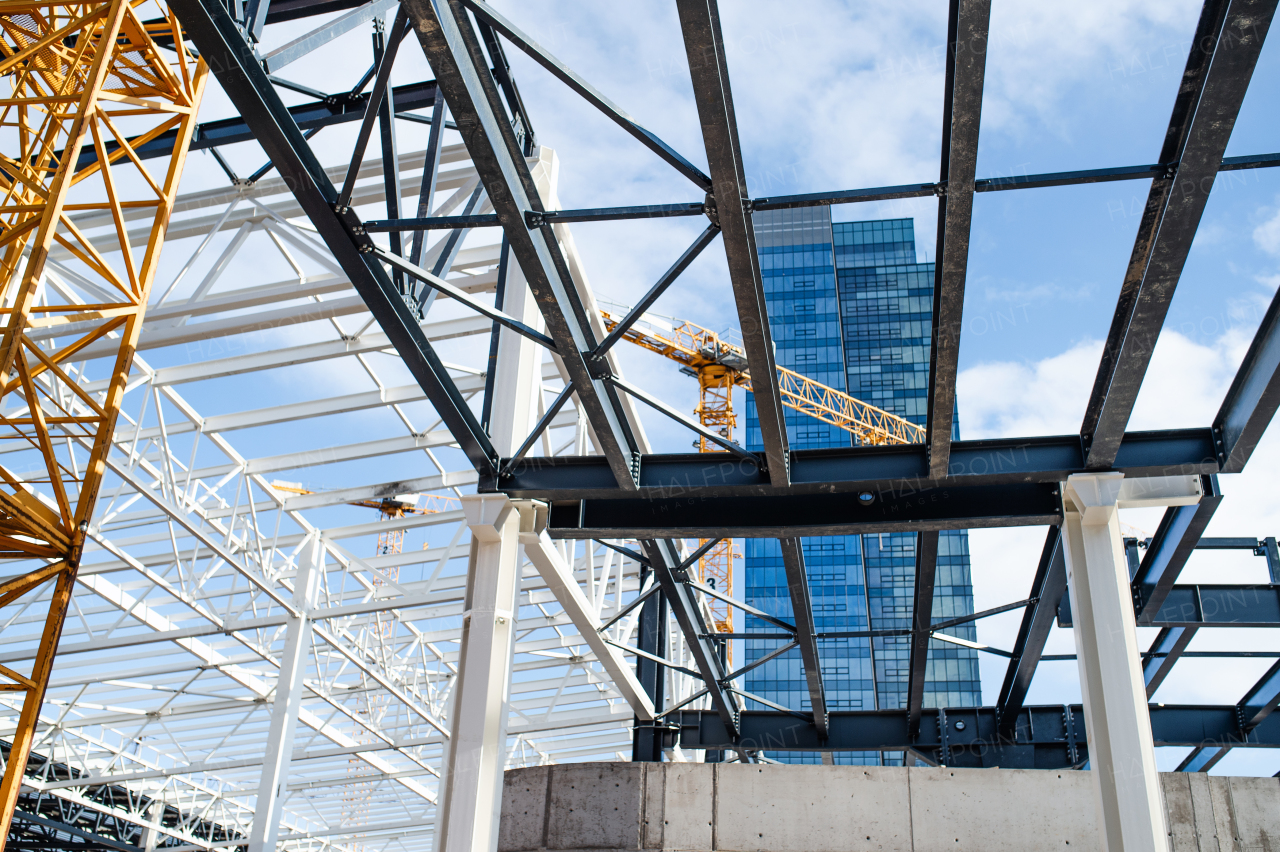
(833, 95)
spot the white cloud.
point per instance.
(1007, 398)
(1267, 235)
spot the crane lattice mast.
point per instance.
(84, 86)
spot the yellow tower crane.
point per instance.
(719, 366)
(82, 86)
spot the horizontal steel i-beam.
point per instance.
(889, 472)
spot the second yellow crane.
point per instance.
(719, 366)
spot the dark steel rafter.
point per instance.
(1037, 620)
(1253, 397)
(324, 111)
(962, 115)
(1259, 702)
(1174, 542)
(455, 54)
(806, 629)
(385, 50)
(1228, 40)
(999, 184)
(921, 630)
(646, 301)
(220, 42)
(673, 577)
(704, 45)
(1170, 644)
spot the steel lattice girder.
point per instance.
(211, 28)
(194, 648)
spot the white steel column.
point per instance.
(1121, 752)
(478, 730)
(471, 786)
(288, 700)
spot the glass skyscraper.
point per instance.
(850, 307)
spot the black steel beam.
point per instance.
(806, 629)
(1000, 184)
(1210, 606)
(220, 42)
(1258, 702)
(1220, 65)
(313, 115)
(293, 10)
(817, 199)
(704, 45)
(1046, 737)
(455, 54)
(808, 514)
(1174, 542)
(646, 745)
(961, 117)
(1202, 759)
(566, 75)
(1047, 589)
(922, 619)
(90, 840)
(1170, 644)
(674, 579)
(887, 473)
(1253, 397)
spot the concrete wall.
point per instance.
(744, 808)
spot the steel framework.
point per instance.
(201, 557)
(177, 627)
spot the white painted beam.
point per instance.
(559, 578)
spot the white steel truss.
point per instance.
(263, 403)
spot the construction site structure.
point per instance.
(720, 365)
(84, 85)
(373, 704)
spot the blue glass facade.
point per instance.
(849, 307)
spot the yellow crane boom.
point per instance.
(704, 351)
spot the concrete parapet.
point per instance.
(689, 807)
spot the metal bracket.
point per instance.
(944, 736)
(940, 189)
(598, 366)
(1170, 171)
(355, 228)
(710, 210)
(534, 219)
(1069, 723)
